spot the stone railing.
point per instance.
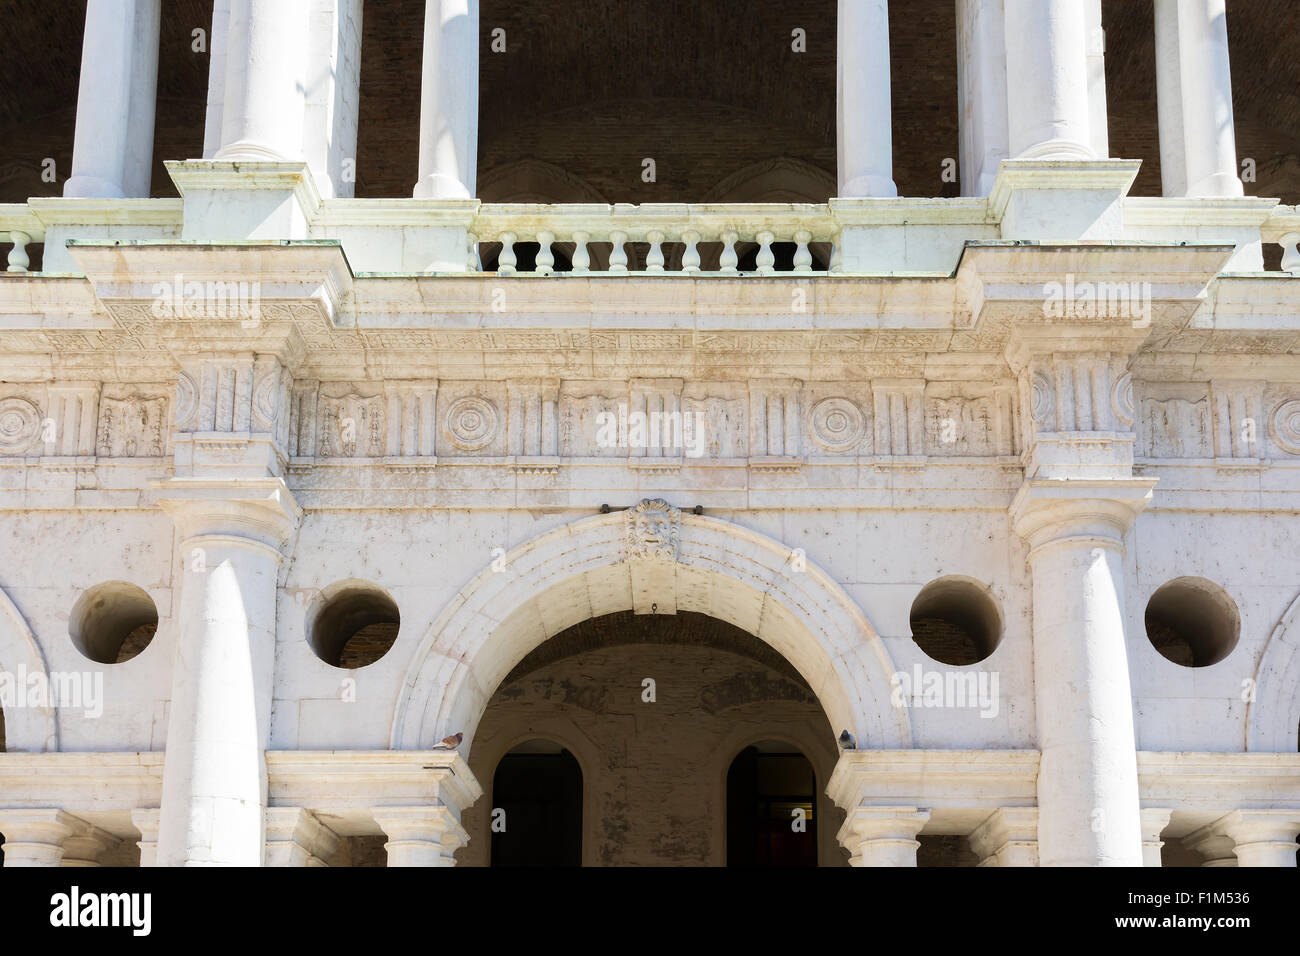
(763, 238)
(19, 227)
(1283, 228)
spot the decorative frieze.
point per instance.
(351, 425)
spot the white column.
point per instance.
(982, 93)
(145, 819)
(863, 114)
(1047, 80)
(420, 836)
(1154, 820)
(1198, 147)
(882, 836)
(449, 101)
(264, 92)
(36, 837)
(112, 152)
(1087, 778)
(1263, 837)
(214, 776)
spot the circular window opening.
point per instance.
(355, 625)
(113, 622)
(955, 621)
(1193, 622)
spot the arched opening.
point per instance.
(113, 622)
(653, 708)
(537, 807)
(1192, 622)
(771, 808)
(354, 624)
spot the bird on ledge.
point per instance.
(450, 743)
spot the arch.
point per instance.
(782, 179)
(610, 563)
(32, 729)
(535, 181)
(1273, 717)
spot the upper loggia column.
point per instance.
(449, 101)
(1198, 148)
(863, 112)
(112, 152)
(214, 792)
(265, 86)
(1047, 80)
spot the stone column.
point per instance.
(1154, 820)
(112, 152)
(449, 101)
(1009, 837)
(1198, 146)
(420, 836)
(981, 93)
(37, 837)
(1087, 779)
(863, 112)
(262, 116)
(1249, 838)
(882, 836)
(214, 779)
(295, 837)
(146, 821)
(1047, 80)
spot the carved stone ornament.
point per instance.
(652, 530)
(19, 422)
(1286, 426)
(472, 422)
(836, 424)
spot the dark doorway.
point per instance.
(539, 787)
(766, 785)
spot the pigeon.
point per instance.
(846, 741)
(450, 743)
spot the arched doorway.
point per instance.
(653, 708)
(537, 807)
(772, 809)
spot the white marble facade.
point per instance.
(1042, 387)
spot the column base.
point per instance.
(258, 198)
(1062, 199)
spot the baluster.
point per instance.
(18, 260)
(766, 261)
(506, 261)
(802, 257)
(837, 254)
(618, 255)
(691, 256)
(1290, 254)
(472, 261)
(728, 260)
(581, 257)
(654, 260)
(545, 257)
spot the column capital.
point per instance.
(1262, 837)
(1153, 820)
(1009, 837)
(296, 837)
(420, 835)
(146, 820)
(86, 844)
(37, 837)
(262, 510)
(882, 836)
(1045, 510)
